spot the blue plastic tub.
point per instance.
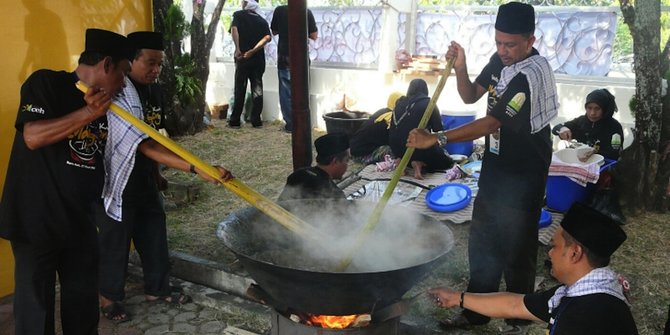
(451, 121)
(563, 192)
(545, 219)
(448, 197)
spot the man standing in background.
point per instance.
(279, 25)
(250, 33)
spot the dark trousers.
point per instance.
(145, 224)
(37, 265)
(502, 243)
(251, 71)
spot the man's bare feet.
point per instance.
(417, 166)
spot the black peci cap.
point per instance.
(107, 43)
(515, 18)
(146, 40)
(331, 144)
(594, 230)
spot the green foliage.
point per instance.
(176, 26)
(665, 24)
(623, 41)
(188, 86)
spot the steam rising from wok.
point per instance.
(401, 239)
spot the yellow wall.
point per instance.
(37, 34)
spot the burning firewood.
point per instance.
(362, 320)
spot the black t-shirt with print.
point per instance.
(142, 180)
(48, 190)
(516, 162)
(607, 132)
(593, 314)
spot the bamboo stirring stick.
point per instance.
(379, 208)
(257, 200)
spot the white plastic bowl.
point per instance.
(569, 155)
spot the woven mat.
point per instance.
(545, 234)
(431, 180)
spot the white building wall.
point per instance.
(369, 90)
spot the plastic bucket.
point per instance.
(455, 120)
(345, 121)
(563, 192)
(545, 219)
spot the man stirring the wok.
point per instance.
(521, 102)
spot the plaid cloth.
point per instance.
(579, 173)
(122, 142)
(600, 280)
(543, 97)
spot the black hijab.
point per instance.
(417, 87)
(605, 100)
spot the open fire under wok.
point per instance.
(299, 273)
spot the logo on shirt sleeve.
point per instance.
(32, 109)
(515, 104)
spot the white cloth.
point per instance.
(122, 142)
(600, 280)
(542, 84)
(252, 6)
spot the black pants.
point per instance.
(251, 71)
(145, 223)
(35, 277)
(502, 243)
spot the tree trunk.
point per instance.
(166, 78)
(663, 178)
(201, 45)
(638, 170)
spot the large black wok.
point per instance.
(299, 273)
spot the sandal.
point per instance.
(115, 312)
(176, 297)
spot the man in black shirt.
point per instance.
(591, 299)
(316, 182)
(250, 33)
(54, 180)
(503, 231)
(133, 207)
(279, 25)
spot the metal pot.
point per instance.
(371, 283)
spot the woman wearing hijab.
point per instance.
(407, 113)
(370, 143)
(596, 128)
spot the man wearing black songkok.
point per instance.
(591, 299)
(521, 101)
(316, 182)
(132, 206)
(54, 179)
